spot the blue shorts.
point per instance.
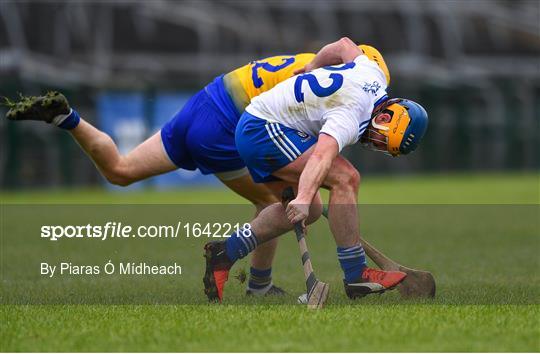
(266, 147)
(201, 135)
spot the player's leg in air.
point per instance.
(147, 160)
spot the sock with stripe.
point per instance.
(352, 261)
(260, 280)
(67, 121)
(240, 244)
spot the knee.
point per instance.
(354, 179)
(347, 179)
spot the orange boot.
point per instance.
(217, 270)
(373, 281)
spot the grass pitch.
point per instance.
(484, 258)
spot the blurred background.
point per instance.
(128, 66)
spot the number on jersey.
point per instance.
(257, 81)
(318, 90)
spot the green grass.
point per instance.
(271, 328)
(484, 257)
(515, 188)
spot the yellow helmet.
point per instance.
(402, 134)
(374, 55)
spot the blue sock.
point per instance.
(240, 244)
(259, 278)
(352, 261)
(69, 121)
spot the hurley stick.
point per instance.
(418, 283)
(317, 291)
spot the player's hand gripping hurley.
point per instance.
(317, 291)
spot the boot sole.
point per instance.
(361, 291)
(28, 110)
(210, 288)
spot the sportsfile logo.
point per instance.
(119, 230)
(111, 229)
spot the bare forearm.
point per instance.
(312, 177)
(330, 54)
(335, 53)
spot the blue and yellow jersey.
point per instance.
(249, 81)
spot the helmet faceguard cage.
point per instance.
(402, 133)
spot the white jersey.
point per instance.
(336, 100)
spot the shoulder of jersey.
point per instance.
(363, 63)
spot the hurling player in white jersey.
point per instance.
(293, 134)
(336, 101)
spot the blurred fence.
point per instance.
(474, 65)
